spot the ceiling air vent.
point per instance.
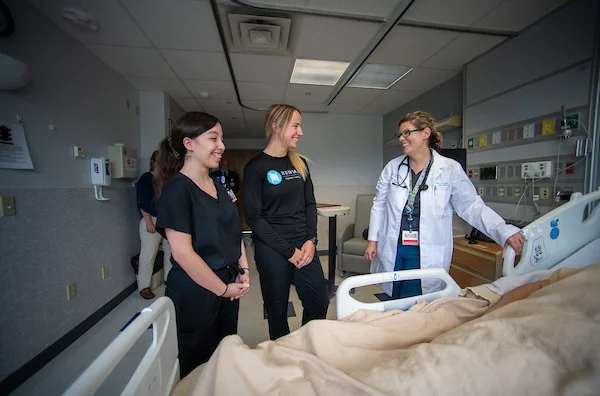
(259, 33)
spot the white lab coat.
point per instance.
(449, 188)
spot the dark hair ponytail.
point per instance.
(172, 152)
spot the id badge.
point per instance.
(231, 195)
(410, 238)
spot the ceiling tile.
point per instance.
(422, 80)
(394, 98)
(215, 89)
(330, 38)
(196, 65)
(172, 86)
(462, 50)
(261, 68)
(187, 25)
(188, 104)
(515, 15)
(229, 115)
(344, 108)
(357, 97)
(133, 62)
(261, 91)
(298, 92)
(233, 126)
(457, 13)
(116, 27)
(410, 46)
(377, 110)
(255, 118)
(219, 105)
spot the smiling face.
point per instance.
(292, 132)
(416, 139)
(206, 149)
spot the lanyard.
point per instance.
(412, 193)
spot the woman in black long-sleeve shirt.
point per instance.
(280, 209)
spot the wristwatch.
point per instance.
(314, 240)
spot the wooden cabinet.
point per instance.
(476, 264)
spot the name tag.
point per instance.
(231, 195)
(410, 238)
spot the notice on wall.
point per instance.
(14, 153)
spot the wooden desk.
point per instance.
(474, 265)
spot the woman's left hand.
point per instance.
(244, 279)
(308, 253)
(516, 242)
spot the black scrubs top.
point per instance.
(213, 223)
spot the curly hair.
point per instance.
(422, 119)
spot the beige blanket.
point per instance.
(547, 344)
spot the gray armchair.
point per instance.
(351, 244)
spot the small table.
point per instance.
(332, 211)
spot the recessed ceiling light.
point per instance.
(317, 72)
(378, 76)
(80, 19)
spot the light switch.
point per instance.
(7, 205)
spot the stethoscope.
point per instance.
(403, 182)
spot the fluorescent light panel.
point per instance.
(317, 72)
(378, 76)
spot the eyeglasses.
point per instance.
(407, 132)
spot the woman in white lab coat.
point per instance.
(411, 218)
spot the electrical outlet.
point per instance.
(7, 205)
(536, 170)
(481, 191)
(497, 137)
(71, 291)
(529, 131)
(78, 152)
(501, 191)
(105, 272)
(544, 193)
(517, 191)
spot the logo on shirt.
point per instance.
(274, 177)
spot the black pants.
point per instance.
(276, 274)
(203, 318)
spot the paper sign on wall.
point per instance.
(482, 140)
(548, 127)
(131, 164)
(14, 153)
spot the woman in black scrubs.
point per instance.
(281, 210)
(197, 215)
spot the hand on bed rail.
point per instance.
(516, 241)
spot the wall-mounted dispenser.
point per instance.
(100, 171)
(124, 162)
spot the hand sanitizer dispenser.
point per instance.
(100, 171)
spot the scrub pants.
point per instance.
(149, 248)
(276, 274)
(203, 318)
(407, 258)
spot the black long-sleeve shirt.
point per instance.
(280, 206)
(145, 194)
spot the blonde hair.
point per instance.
(281, 115)
(422, 119)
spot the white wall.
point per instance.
(154, 110)
(528, 78)
(60, 233)
(346, 157)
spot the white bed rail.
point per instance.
(158, 371)
(346, 304)
(556, 235)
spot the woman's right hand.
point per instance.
(235, 291)
(296, 258)
(371, 250)
(150, 227)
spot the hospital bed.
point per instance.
(551, 241)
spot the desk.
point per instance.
(332, 211)
(476, 264)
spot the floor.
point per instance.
(56, 376)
